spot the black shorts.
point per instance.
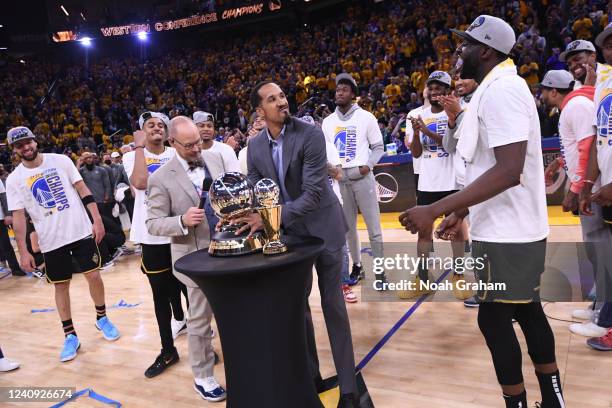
(606, 212)
(155, 258)
(519, 266)
(430, 197)
(80, 256)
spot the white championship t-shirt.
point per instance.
(352, 137)
(47, 193)
(572, 129)
(2, 190)
(139, 232)
(220, 158)
(603, 112)
(437, 169)
(416, 161)
(507, 114)
(334, 159)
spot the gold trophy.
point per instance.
(267, 193)
(231, 195)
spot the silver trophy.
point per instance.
(231, 195)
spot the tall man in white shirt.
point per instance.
(148, 156)
(506, 198)
(175, 191)
(49, 187)
(357, 137)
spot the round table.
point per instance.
(259, 303)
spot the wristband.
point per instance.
(88, 199)
(138, 147)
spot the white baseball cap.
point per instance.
(148, 115)
(558, 78)
(576, 46)
(491, 31)
(114, 155)
(440, 76)
(603, 35)
(19, 133)
(201, 116)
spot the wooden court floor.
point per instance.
(437, 359)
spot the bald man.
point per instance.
(174, 195)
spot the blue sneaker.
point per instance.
(216, 395)
(109, 331)
(71, 345)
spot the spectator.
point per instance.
(529, 71)
(98, 181)
(582, 27)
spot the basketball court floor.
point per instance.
(436, 359)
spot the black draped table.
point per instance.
(259, 304)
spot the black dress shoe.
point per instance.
(163, 361)
(348, 401)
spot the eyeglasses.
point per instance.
(190, 146)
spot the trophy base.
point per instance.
(274, 248)
(227, 243)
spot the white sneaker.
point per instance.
(178, 327)
(107, 265)
(588, 329)
(583, 314)
(8, 365)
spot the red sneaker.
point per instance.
(603, 343)
(349, 296)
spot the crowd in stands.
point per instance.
(389, 48)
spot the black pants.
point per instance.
(6, 249)
(495, 322)
(167, 299)
(113, 238)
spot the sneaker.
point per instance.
(126, 251)
(357, 273)
(107, 265)
(38, 273)
(583, 314)
(109, 331)
(8, 365)
(4, 272)
(350, 281)
(460, 294)
(179, 327)
(163, 361)
(383, 281)
(603, 343)
(417, 292)
(471, 302)
(588, 329)
(216, 392)
(349, 296)
(71, 345)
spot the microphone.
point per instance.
(206, 183)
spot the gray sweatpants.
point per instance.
(359, 193)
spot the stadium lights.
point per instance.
(85, 41)
(142, 35)
(1, 26)
(83, 17)
(3, 48)
(22, 61)
(64, 10)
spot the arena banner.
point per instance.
(395, 181)
(230, 14)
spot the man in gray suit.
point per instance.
(174, 195)
(292, 153)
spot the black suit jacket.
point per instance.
(314, 209)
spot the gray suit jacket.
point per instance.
(171, 193)
(314, 210)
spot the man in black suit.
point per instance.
(292, 153)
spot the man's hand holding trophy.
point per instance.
(243, 211)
